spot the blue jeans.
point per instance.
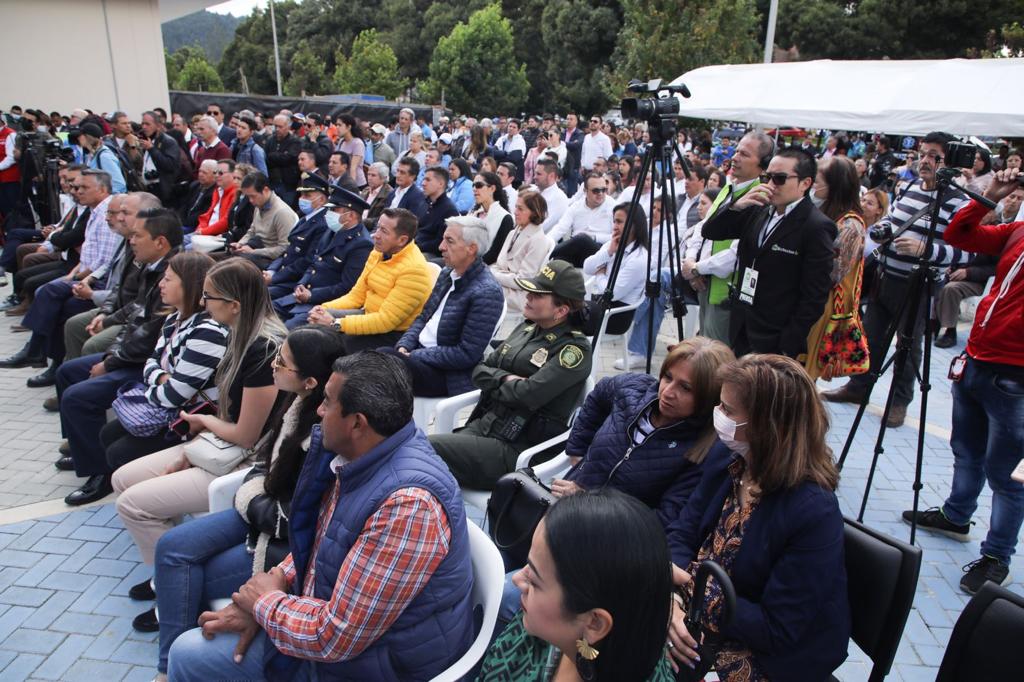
(195, 659)
(197, 562)
(638, 337)
(987, 442)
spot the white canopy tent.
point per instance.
(960, 96)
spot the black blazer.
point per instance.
(573, 151)
(794, 276)
(226, 134)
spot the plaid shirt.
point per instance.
(100, 241)
(400, 547)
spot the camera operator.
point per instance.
(897, 257)
(98, 156)
(161, 162)
(988, 397)
(883, 163)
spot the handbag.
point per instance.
(710, 640)
(214, 454)
(843, 349)
(517, 504)
(137, 415)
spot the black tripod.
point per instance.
(917, 301)
(662, 151)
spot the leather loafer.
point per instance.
(65, 463)
(51, 404)
(22, 359)
(897, 415)
(143, 591)
(96, 488)
(48, 377)
(64, 448)
(146, 622)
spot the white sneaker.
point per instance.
(636, 361)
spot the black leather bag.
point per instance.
(709, 641)
(517, 504)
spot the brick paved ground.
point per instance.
(64, 578)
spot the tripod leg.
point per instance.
(926, 387)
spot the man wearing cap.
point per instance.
(333, 264)
(390, 291)
(285, 271)
(449, 338)
(378, 149)
(528, 385)
(439, 208)
(100, 157)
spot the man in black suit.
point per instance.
(405, 193)
(225, 132)
(785, 257)
(573, 138)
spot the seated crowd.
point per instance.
(276, 299)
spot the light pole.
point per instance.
(769, 36)
(277, 57)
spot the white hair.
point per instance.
(208, 164)
(407, 110)
(382, 170)
(210, 121)
(474, 231)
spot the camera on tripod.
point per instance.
(960, 154)
(659, 110)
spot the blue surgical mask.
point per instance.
(333, 221)
(306, 206)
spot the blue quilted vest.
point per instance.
(437, 626)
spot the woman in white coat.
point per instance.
(525, 249)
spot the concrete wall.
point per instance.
(103, 55)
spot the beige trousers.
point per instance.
(150, 502)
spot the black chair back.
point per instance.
(986, 640)
(881, 574)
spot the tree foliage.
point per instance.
(198, 75)
(209, 30)
(474, 67)
(307, 75)
(252, 51)
(371, 68)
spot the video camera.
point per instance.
(652, 109)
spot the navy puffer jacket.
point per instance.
(656, 472)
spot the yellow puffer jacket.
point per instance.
(392, 293)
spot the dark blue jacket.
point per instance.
(432, 225)
(656, 472)
(436, 628)
(336, 263)
(466, 326)
(303, 238)
(414, 200)
(789, 573)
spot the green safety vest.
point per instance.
(719, 289)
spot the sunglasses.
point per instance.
(777, 178)
(212, 113)
(279, 363)
(480, 185)
(598, 190)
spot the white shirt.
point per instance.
(397, 198)
(512, 194)
(511, 144)
(684, 208)
(428, 335)
(774, 218)
(560, 151)
(698, 250)
(579, 218)
(632, 279)
(594, 145)
(557, 205)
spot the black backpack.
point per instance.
(132, 180)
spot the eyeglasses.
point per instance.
(479, 185)
(279, 363)
(598, 190)
(777, 178)
(594, 120)
(212, 113)
(207, 297)
(937, 158)
(219, 172)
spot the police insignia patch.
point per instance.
(539, 357)
(570, 357)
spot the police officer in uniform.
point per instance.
(284, 272)
(334, 264)
(528, 385)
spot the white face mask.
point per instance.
(726, 429)
(816, 200)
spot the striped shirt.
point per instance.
(398, 550)
(913, 200)
(189, 353)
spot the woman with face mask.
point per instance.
(836, 193)
(769, 516)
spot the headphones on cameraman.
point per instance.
(767, 158)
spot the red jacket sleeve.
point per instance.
(221, 224)
(966, 231)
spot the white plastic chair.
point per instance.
(434, 269)
(221, 495)
(602, 333)
(488, 585)
(423, 409)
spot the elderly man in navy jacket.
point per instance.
(449, 338)
(333, 265)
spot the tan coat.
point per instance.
(522, 255)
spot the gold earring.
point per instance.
(585, 650)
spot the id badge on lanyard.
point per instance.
(748, 285)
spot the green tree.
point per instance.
(371, 68)
(198, 76)
(171, 67)
(325, 25)
(414, 27)
(307, 73)
(666, 38)
(474, 67)
(251, 51)
(580, 36)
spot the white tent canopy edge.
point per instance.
(960, 96)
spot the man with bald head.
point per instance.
(283, 160)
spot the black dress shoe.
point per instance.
(146, 622)
(64, 448)
(97, 487)
(48, 377)
(65, 464)
(947, 340)
(10, 302)
(143, 591)
(22, 359)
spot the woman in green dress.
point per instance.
(596, 593)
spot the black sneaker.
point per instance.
(143, 591)
(934, 520)
(146, 622)
(979, 571)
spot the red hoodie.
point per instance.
(1000, 339)
(226, 201)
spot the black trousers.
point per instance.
(356, 342)
(427, 381)
(576, 250)
(27, 280)
(122, 447)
